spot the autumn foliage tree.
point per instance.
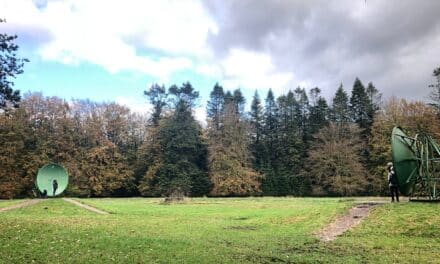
(106, 170)
(293, 145)
(334, 161)
(16, 145)
(230, 163)
(414, 117)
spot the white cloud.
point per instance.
(157, 38)
(253, 70)
(118, 34)
(211, 70)
(135, 104)
(200, 115)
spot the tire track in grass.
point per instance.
(21, 205)
(85, 206)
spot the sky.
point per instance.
(113, 50)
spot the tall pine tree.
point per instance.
(215, 106)
(359, 105)
(302, 113)
(256, 123)
(270, 142)
(340, 111)
(290, 147)
(157, 97)
(183, 165)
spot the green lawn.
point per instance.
(6, 203)
(238, 230)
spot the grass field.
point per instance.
(247, 230)
(6, 203)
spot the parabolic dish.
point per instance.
(47, 174)
(405, 160)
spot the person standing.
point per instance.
(55, 186)
(392, 182)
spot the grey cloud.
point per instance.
(326, 42)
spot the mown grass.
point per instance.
(6, 203)
(238, 230)
(396, 233)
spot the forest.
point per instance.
(296, 144)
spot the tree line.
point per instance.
(294, 144)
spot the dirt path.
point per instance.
(85, 206)
(20, 205)
(355, 215)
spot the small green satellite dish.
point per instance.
(50, 174)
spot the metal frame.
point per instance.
(427, 173)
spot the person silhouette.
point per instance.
(55, 186)
(392, 182)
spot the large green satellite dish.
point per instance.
(404, 160)
(46, 176)
(417, 165)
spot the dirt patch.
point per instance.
(21, 205)
(85, 206)
(344, 223)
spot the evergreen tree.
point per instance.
(340, 111)
(359, 105)
(290, 147)
(314, 95)
(363, 106)
(184, 96)
(319, 111)
(10, 67)
(435, 93)
(270, 142)
(302, 113)
(229, 98)
(157, 96)
(183, 164)
(374, 99)
(215, 106)
(239, 101)
(256, 122)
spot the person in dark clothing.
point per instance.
(55, 186)
(44, 194)
(392, 182)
